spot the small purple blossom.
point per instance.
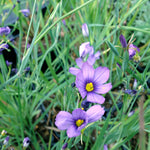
(123, 41)
(8, 63)
(105, 147)
(135, 84)
(3, 46)
(64, 146)
(78, 120)
(85, 30)
(64, 22)
(130, 92)
(133, 50)
(25, 12)
(14, 6)
(119, 65)
(6, 141)
(4, 31)
(85, 48)
(14, 70)
(131, 113)
(28, 45)
(90, 83)
(26, 142)
(27, 69)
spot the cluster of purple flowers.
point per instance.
(91, 83)
(4, 31)
(132, 49)
(26, 140)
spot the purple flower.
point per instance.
(26, 142)
(8, 63)
(119, 65)
(91, 60)
(14, 70)
(4, 31)
(86, 48)
(28, 45)
(105, 147)
(6, 140)
(3, 46)
(64, 146)
(131, 113)
(130, 92)
(135, 83)
(64, 22)
(85, 30)
(27, 69)
(90, 83)
(78, 120)
(133, 50)
(123, 41)
(25, 12)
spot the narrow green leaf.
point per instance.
(125, 61)
(113, 48)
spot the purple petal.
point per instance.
(80, 84)
(105, 147)
(85, 30)
(102, 89)
(28, 45)
(123, 41)
(85, 49)
(3, 46)
(26, 142)
(79, 62)
(135, 83)
(88, 71)
(64, 22)
(83, 92)
(25, 12)
(4, 30)
(63, 120)
(6, 141)
(91, 59)
(135, 47)
(132, 50)
(64, 146)
(8, 63)
(97, 54)
(101, 75)
(79, 114)
(95, 98)
(74, 70)
(95, 113)
(72, 131)
(131, 113)
(118, 65)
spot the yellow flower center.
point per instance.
(89, 87)
(79, 122)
